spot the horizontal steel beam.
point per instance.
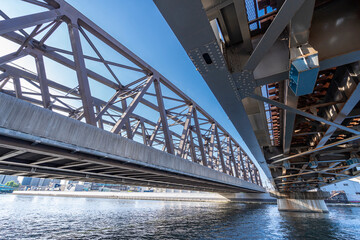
(13, 24)
(318, 149)
(302, 113)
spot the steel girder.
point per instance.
(121, 113)
(237, 72)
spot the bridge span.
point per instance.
(289, 69)
(83, 152)
(125, 123)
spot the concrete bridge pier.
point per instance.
(249, 197)
(302, 201)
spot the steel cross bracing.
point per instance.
(146, 108)
(301, 142)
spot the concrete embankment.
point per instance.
(205, 197)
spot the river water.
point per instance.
(41, 217)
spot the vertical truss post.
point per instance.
(233, 157)
(167, 135)
(229, 158)
(211, 145)
(44, 88)
(156, 129)
(127, 121)
(99, 121)
(231, 170)
(258, 177)
(249, 169)
(223, 166)
(125, 116)
(143, 132)
(255, 174)
(186, 151)
(185, 132)
(217, 163)
(192, 147)
(81, 73)
(241, 160)
(199, 137)
(17, 86)
(136, 127)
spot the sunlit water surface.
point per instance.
(40, 217)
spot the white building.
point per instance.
(350, 187)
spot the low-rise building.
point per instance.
(6, 178)
(345, 191)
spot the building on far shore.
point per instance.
(345, 191)
(29, 183)
(7, 178)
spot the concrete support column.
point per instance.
(302, 202)
(302, 205)
(249, 197)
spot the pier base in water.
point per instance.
(249, 197)
(302, 205)
(302, 202)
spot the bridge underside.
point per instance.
(24, 158)
(244, 50)
(91, 154)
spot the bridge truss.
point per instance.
(135, 101)
(244, 50)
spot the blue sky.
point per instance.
(139, 26)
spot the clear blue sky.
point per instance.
(139, 26)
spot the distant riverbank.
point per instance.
(165, 196)
(213, 197)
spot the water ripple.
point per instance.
(40, 217)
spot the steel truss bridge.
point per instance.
(244, 50)
(140, 130)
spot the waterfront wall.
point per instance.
(217, 197)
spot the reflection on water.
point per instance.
(89, 218)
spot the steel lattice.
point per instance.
(147, 109)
